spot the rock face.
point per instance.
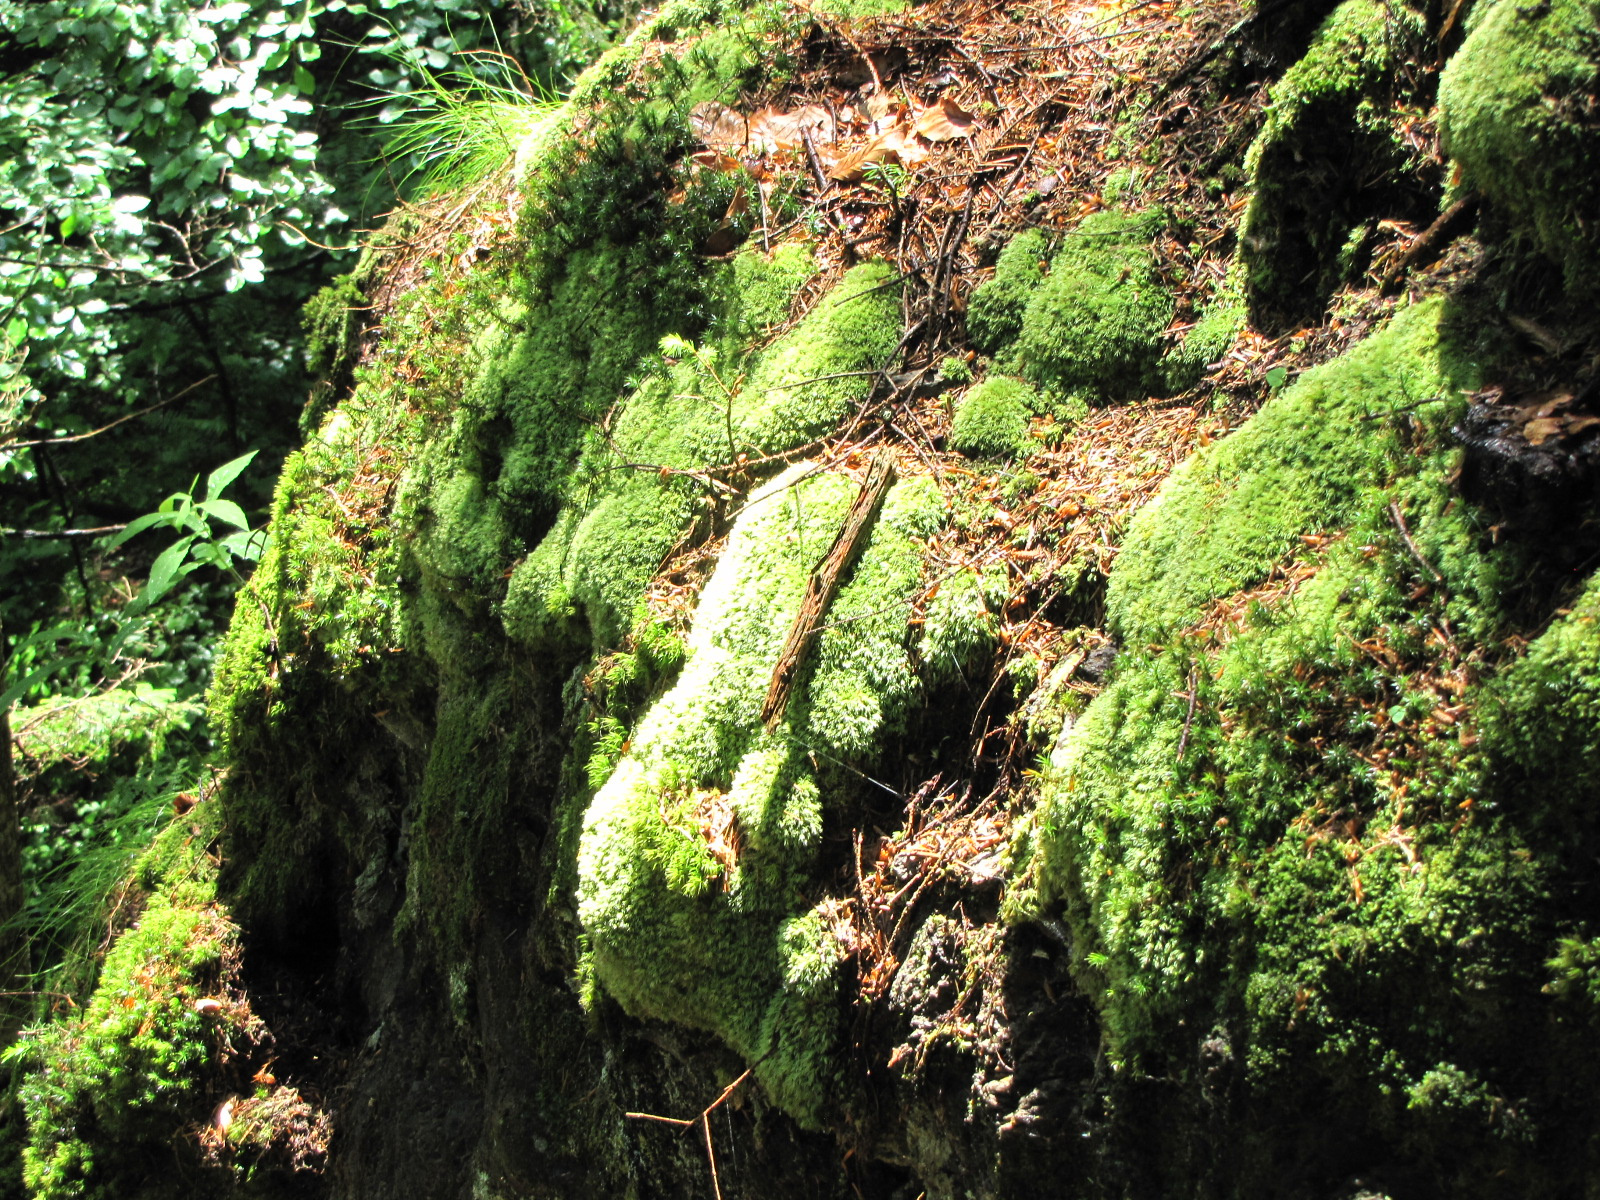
(1190, 789)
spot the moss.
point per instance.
(1517, 106)
(113, 1085)
(1262, 825)
(695, 851)
(962, 621)
(708, 405)
(994, 313)
(1095, 326)
(1305, 464)
(992, 419)
(813, 377)
(1327, 161)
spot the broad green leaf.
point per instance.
(226, 474)
(137, 526)
(227, 511)
(19, 689)
(248, 546)
(164, 572)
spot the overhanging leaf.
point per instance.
(165, 571)
(226, 511)
(226, 474)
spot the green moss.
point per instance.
(992, 419)
(1095, 326)
(1517, 112)
(813, 377)
(1262, 827)
(1315, 455)
(702, 408)
(111, 1086)
(994, 313)
(726, 943)
(1327, 160)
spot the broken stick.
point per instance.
(823, 586)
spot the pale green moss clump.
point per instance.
(994, 313)
(1094, 327)
(120, 1078)
(992, 419)
(1516, 109)
(1327, 136)
(632, 496)
(694, 852)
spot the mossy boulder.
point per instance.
(1328, 163)
(994, 313)
(1519, 110)
(1293, 825)
(1094, 328)
(992, 419)
(1312, 458)
(698, 849)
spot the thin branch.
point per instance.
(62, 534)
(1405, 535)
(80, 437)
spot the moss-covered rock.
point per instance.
(1327, 162)
(108, 1086)
(1517, 110)
(697, 850)
(1295, 826)
(992, 419)
(1306, 464)
(994, 313)
(1094, 327)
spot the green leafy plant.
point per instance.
(465, 123)
(200, 545)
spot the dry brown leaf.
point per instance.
(1579, 424)
(898, 144)
(1541, 429)
(944, 121)
(881, 106)
(771, 131)
(715, 160)
(719, 126)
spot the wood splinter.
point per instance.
(823, 586)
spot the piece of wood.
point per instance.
(1431, 242)
(823, 586)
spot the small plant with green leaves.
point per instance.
(464, 124)
(201, 545)
(704, 359)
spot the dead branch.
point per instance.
(823, 586)
(1430, 243)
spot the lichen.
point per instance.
(1517, 108)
